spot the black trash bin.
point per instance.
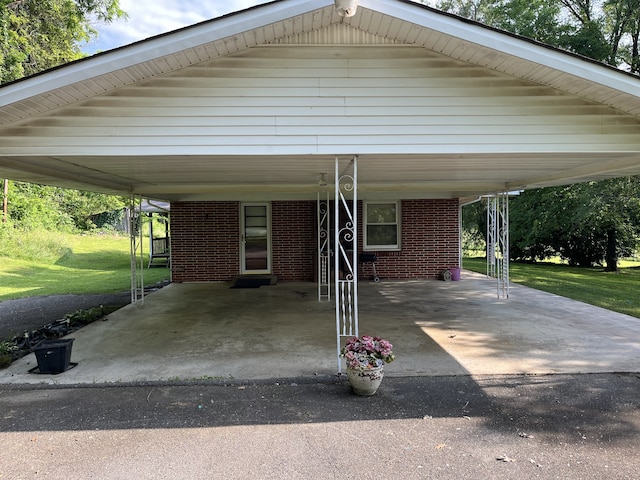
(54, 356)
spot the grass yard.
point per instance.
(83, 264)
(614, 291)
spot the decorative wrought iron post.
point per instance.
(136, 252)
(324, 246)
(346, 252)
(491, 239)
(498, 241)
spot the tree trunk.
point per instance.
(611, 256)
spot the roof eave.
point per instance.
(156, 47)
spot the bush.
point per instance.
(36, 245)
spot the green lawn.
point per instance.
(615, 291)
(90, 264)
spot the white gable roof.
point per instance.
(259, 103)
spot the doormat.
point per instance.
(253, 281)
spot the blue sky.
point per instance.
(152, 17)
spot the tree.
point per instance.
(623, 24)
(33, 206)
(585, 224)
(36, 35)
(605, 30)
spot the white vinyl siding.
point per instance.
(306, 100)
(382, 226)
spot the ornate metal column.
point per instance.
(346, 252)
(498, 241)
(324, 245)
(136, 252)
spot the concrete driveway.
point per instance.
(208, 331)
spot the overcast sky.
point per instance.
(152, 17)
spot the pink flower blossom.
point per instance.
(367, 352)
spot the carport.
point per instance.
(210, 332)
(251, 116)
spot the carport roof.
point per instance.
(598, 107)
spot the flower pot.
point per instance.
(54, 356)
(365, 381)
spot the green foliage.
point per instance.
(474, 227)
(605, 30)
(577, 222)
(587, 40)
(7, 347)
(32, 207)
(80, 318)
(584, 224)
(35, 245)
(533, 19)
(36, 35)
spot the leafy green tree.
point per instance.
(605, 30)
(622, 22)
(585, 224)
(32, 206)
(36, 35)
(474, 226)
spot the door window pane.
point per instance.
(256, 238)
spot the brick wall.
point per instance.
(205, 241)
(429, 242)
(293, 238)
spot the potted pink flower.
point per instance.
(365, 357)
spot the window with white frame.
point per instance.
(382, 225)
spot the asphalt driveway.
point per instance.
(571, 427)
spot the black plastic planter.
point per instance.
(54, 356)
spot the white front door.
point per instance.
(255, 238)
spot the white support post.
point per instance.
(136, 251)
(498, 241)
(346, 253)
(503, 238)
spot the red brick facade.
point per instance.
(430, 241)
(205, 241)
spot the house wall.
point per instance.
(430, 242)
(205, 241)
(293, 240)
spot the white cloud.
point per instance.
(153, 17)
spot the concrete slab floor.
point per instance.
(209, 331)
